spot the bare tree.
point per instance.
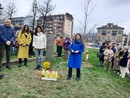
(87, 12)
(10, 10)
(45, 9)
(34, 13)
(88, 9)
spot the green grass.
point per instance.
(95, 82)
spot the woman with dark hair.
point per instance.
(75, 58)
(24, 39)
(39, 44)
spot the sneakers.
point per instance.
(8, 67)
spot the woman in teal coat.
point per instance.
(75, 58)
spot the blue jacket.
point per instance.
(75, 59)
(6, 34)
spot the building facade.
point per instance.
(125, 40)
(1, 10)
(17, 20)
(58, 24)
(110, 33)
(22, 20)
(1, 14)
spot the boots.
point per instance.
(38, 67)
(1, 76)
(25, 61)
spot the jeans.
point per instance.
(39, 55)
(2, 49)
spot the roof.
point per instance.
(110, 26)
(1, 6)
(50, 16)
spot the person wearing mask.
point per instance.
(39, 44)
(6, 40)
(75, 58)
(24, 39)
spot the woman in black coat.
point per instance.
(123, 61)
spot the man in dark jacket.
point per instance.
(101, 50)
(6, 40)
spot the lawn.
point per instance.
(95, 82)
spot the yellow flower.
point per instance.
(46, 65)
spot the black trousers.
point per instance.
(77, 72)
(25, 61)
(2, 50)
(59, 51)
(101, 59)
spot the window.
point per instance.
(113, 37)
(99, 38)
(103, 32)
(108, 38)
(119, 32)
(114, 33)
(108, 32)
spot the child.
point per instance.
(39, 44)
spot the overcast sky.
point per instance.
(106, 11)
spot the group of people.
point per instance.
(21, 38)
(115, 57)
(63, 43)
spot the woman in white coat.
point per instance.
(39, 44)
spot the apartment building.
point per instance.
(22, 20)
(58, 24)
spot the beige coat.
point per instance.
(108, 54)
(24, 38)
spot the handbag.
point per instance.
(99, 54)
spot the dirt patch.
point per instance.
(87, 65)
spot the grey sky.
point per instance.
(106, 11)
